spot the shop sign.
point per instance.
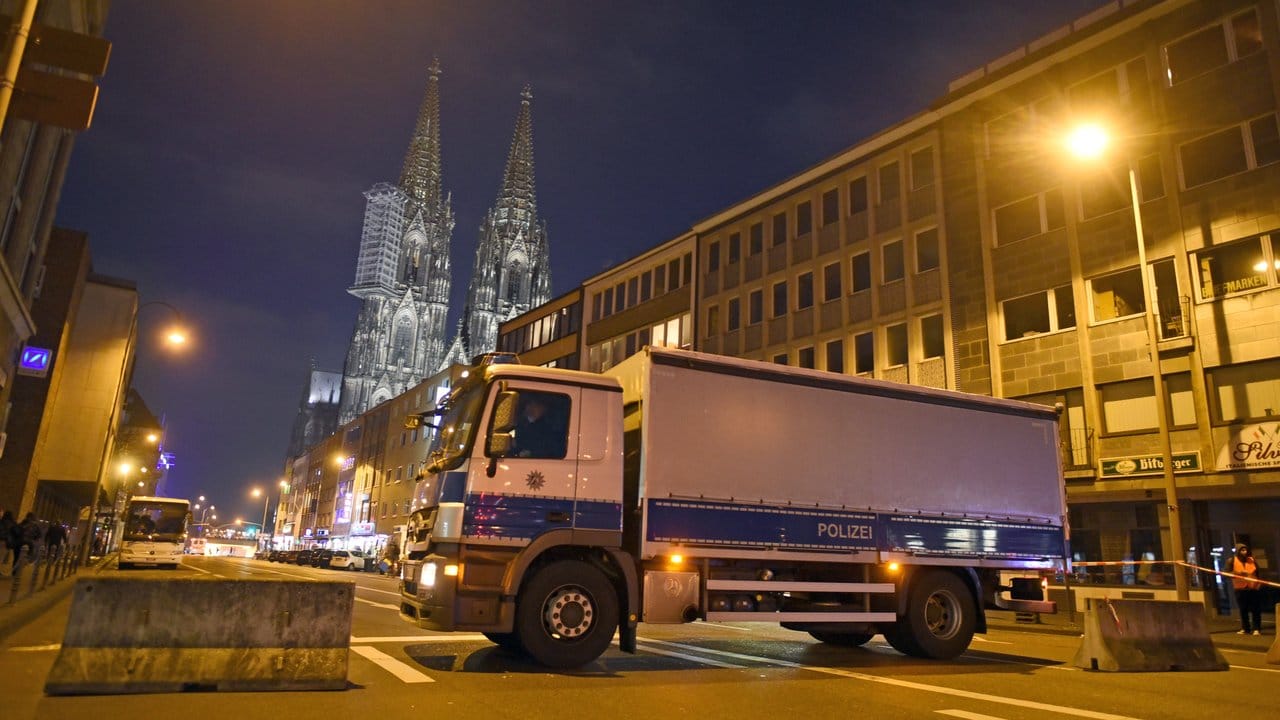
(362, 528)
(1251, 447)
(1140, 465)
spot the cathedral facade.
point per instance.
(403, 273)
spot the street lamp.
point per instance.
(1090, 141)
(176, 335)
(266, 500)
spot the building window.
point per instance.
(835, 356)
(713, 256)
(864, 353)
(1212, 47)
(830, 207)
(780, 359)
(1028, 217)
(891, 255)
(1042, 312)
(804, 219)
(1104, 191)
(857, 195)
(1128, 407)
(895, 344)
(660, 280)
(755, 234)
(1245, 393)
(931, 339)
(831, 282)
(861, 279)
(888, 183)
(779, 299)
(646, 286)
(804, 358)
(1182, 406)
(779, 229)
(735, 314)
(595, 307)
(1117, 295)
(1234, 150)
(608, 302)
(620, 297)
(1150, 178)
(755, 307)
(922, 168)
(713, 321)
(755, 244)
(804, 291)
(633, 291)
(735, 248)
(927, 257)
(1240, 267)
(687, 274)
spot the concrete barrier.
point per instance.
(1147, 636)
(130, 635)
(1273, 655)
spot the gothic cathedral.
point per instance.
(403, 271)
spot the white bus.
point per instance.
(155, 531)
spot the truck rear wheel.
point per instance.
(841, 639)
(566, 614)
(939, 620)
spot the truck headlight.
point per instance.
(429, 575)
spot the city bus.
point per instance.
(154, 532)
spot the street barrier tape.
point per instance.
(132, 635)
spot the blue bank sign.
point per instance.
(35, 361)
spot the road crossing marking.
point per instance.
(1030, 704)
(402, 671)
(686, 656)
(967, 715)
(197, 569)
(451, 637)
(378, 604)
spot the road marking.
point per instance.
(981, 639)
(403, 671)
(719, 626)
(686, 656)
(378, 604)
(197, 569)
(967, 715)
(1030, 704)
(35, 648)
(1246, 667)
(452, 637)
(384, 592)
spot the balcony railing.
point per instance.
(1077, 448)
(1173, 318)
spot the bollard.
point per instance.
(16, 586)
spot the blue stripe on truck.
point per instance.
(740, 525)
(524, 517)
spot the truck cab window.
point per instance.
(542, 425)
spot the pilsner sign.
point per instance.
(1138, 465)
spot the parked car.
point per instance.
(261, 554)
(321, 558)
(304, 556)
(347, 560)
(287, 556)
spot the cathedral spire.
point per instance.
(517, 193)
(420, 177)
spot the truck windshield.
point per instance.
(459, 416)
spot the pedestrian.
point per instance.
(7, 524)
(55, 537)
(1248, 591)
(26, 534)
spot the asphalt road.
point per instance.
(744, 670)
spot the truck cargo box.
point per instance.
(742, 453)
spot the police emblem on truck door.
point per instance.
(535, 480)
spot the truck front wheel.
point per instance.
(566, 614)
(939, 620)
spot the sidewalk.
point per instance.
(1222, 629)
(13, 617)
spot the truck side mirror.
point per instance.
(504, 412)
(499, 445)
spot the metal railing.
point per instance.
(39, 570)
(1077, 448)
(1173, 318)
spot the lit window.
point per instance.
(1117, 295)
(1240, 267)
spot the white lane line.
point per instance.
(451, 637)
(1030, 704)
(718, 626)
(1246, 667)
(403, 671)
(981, 639)
(35, 648)
(197, 569)
(384, 592)
(378, 604)
(984, 658)
(686, 656)
(967, 715)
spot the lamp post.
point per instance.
(176, 335)
(266, 500)
(1090, 142)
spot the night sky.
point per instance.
(232, 143)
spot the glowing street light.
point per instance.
(1089, 142)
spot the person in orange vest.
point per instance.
(1248, 591)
